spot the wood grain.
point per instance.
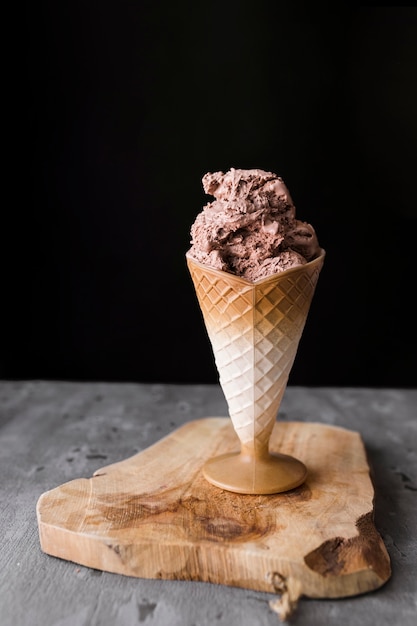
(153, 515)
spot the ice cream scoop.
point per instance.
(250, 229)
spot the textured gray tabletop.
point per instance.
(53, 432)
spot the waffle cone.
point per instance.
(254, 330)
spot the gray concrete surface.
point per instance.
(52, 432)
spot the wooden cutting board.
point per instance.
(155, 516)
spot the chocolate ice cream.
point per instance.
(250, 229)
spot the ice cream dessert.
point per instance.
(250, 229)
(254, 267)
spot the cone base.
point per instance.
(270, 474)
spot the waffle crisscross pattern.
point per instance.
(254, 329)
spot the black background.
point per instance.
(124, 107)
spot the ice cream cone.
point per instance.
(255, 329)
